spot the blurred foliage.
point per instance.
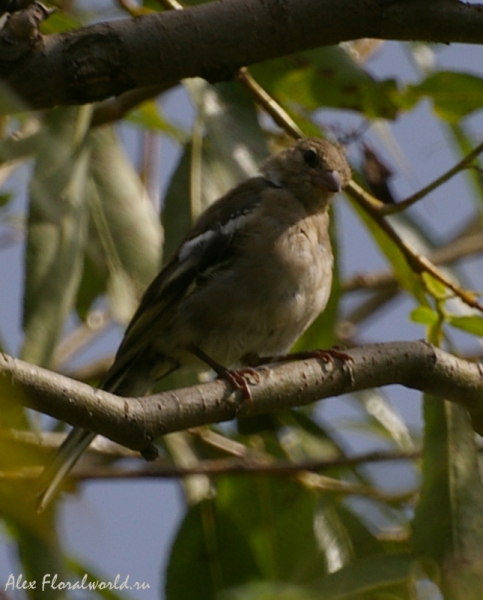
(93, 239)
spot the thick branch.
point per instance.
(134, 422)
(211, 40)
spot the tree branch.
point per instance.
(211, 40)
(135, 422)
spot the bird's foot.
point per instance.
(329, 355)
(326, 355)
(237, 379)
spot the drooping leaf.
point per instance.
(210, 553)
(379, 577)
(448, 524)
(230, 150)
(149, 116)
(127, 234)
(276, 516)
(411, 234)
(234, 143)
(57, 229)
(384, 416)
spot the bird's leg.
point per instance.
(235, 378)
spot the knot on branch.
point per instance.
(21, 34)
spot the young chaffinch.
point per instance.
(250, 277)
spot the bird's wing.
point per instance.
(209, 247)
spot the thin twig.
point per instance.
(418, 263)
(171, 4)
(269, 105)
(449, 253)
(114, 109)
(464, 163)
(325, 484)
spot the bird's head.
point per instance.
(313, 170)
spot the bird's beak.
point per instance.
(330, 180)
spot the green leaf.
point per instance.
(277, 520)
(270, 591)
(374, 576)
(471, 324)
(9, 101)
(149, 116)
(93, 577)
(454, 94)
(448, 523)
(231, 150)
(406, 277)
(57, 230)
(60, 21)
(436, 288)
(234, 144)
(126, 237)
(176, 216)
(326, 77)
(210, 553)
(5, 198)
(384, 418)
(256, 528)
(39, 551)
(308, 438)
(424, 315)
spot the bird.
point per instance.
(249, 278)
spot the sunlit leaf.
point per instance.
(149, 115)
(59, 21)
(424, 315)
(435, 287)
(231, 150)
(381, 411)
(406, 277)
(326, 77)
(472, 324)
(234, 143)
(454, 94)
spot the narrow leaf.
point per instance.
(57, 228)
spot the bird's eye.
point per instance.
(311, 158)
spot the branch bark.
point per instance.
(135, 422)
(211, 40)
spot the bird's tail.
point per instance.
(124, 378)
(68, 454)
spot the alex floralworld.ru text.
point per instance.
(53, 582)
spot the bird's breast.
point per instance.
(266, 298)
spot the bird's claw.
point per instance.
(238, 380)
